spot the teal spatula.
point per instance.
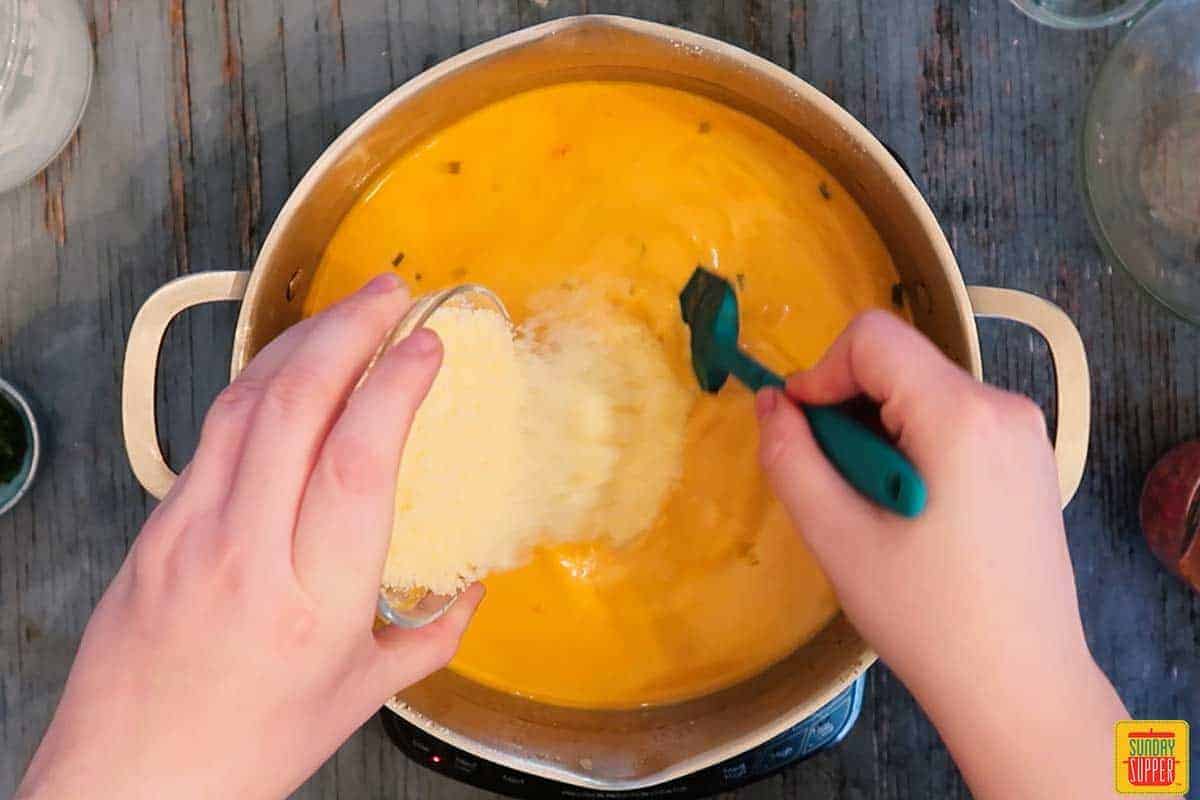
(868, 462)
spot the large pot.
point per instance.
(612, 749)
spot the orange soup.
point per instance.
(630, 186)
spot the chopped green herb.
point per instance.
(741, 281)
(417, 277)
(823, 188)
(13, 441)
(705, 126)
(399, 257)
(454, 167)
(459, 273)
(898, 295)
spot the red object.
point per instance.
(1151, 771)
(1170, 511)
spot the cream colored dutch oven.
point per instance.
(628, 749)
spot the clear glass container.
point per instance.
(1081, 14)
(45, 80)
(1140, 154)
(412, 608)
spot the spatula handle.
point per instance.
(868, 462)
(751, 373)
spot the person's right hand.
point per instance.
(973, 603)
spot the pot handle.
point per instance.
(141, 365)
(1070, 371)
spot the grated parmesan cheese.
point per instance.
(454, 517)
(570, 429)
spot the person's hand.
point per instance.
(234, 650)
(973, 603)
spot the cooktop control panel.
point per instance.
(823, 729)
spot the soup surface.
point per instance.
(627, 187)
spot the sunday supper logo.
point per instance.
(1152, 757)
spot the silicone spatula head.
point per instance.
(710, 310)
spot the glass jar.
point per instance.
(45, 78)
(412, 608)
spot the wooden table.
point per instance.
(205, 115)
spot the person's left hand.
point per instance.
(234, 650)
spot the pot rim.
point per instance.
(769, 70)
(862, 139)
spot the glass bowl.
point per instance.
(45, 79)
(1140, 154)
(1080, 14)
(415, 607)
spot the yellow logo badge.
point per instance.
(1152, 757)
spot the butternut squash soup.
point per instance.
(627, 187)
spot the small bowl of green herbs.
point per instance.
(20, 446)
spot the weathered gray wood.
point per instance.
(203, 117)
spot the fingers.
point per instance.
(268, 361)
(406, 656)
(828, 512)
(295, 398)
(891, 362)
(345, 519)
(223, 434)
